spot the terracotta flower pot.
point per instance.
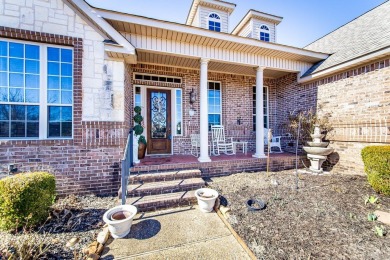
(141, 150)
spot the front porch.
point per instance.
(219, 165)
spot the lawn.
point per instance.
(325, 218)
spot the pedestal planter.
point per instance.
(119, 220)
(141, 150)
(206, 199)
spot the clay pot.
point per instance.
(141, 150)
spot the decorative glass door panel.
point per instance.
(159, 121)
(158, 114)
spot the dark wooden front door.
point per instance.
(159, 121)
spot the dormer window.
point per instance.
(264, 33)
(214, 22)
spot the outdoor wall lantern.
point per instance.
(192, 101)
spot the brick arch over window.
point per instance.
(214, 22)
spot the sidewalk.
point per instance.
(181, 233)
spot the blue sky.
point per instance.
(304, 20)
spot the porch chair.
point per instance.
(218, 141)
(195, 145)
(275, 141)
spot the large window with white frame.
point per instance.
(214, 22)
(178, 122)
(36, 90)
(264, 33)
(265, 107)
(214, 96)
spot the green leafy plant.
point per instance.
(138, 129)
(372, 217)
(25, 199)
(142, 140)
(371, 199)
(137, 109)
(138, 118)
(380, 231)
(377, 167)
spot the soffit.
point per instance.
(199, 36)
(190, 63)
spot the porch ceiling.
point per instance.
(214, 66)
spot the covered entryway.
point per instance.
(159, 121)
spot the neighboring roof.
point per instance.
(364, 36)
(221, 5)
(256, 15)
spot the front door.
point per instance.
(159, 121)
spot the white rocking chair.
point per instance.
(275, 141)
(219, 142)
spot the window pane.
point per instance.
(32, 81)
(66, 97)
(16, 65)
(53, 96)
(4, 129)
(178, 112)
(66, 55)
(4, 112)
(32, 113)
(66, 69)
(3, 94)
(18, 112)
(18, 129)
(53, 82)
(16, 80)
(16, 95)
(32, 129)
(53, 68)
(3, 48)
(53, 54)
(3, 79)
(32, 52)
(32, 95)
(16, 50)
(3, 64)
(66, 83)
(32, 66)
(66, 115)
(54, 130)
(66, 129)
(54, 114)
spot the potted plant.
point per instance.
(138, 130)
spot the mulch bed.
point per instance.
(326, 218)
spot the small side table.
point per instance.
(244, 146)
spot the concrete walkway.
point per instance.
(182, 233)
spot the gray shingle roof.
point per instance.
(368, 33)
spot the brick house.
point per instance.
(70, 75)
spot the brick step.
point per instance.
(163, 201)
(154, 188)
(164, 176)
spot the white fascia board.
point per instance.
(207, 33)
(93, 15)
(229, 6)
(346, 65)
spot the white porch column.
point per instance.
(204, 129)
(259, 114)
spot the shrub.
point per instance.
(377, 166)
(25, 199)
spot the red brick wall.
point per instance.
(89, 163)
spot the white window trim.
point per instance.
(220, 96)
(156, 75)
(214, 20)
(43, 105)
(265, 31)
(267, 89)
(174, 112)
